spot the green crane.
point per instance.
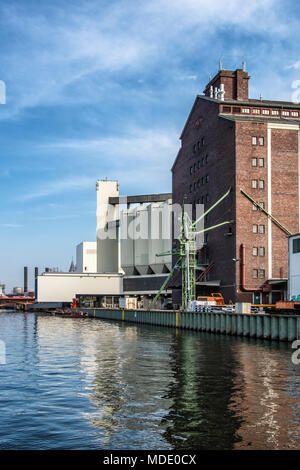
(187, 254)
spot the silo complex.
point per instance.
(145, 233)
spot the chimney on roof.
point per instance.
(234, 82)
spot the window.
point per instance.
(255, 228)
(194, 148)
(261, 229)
(285, 113)
(275, 112)
(296, 245)
(254, 140)
(256, 111)
(202, 180)
(265, 111)
(198, 184)
(245, 110)
(254, 161)
(255, 273)
(254, 207)
(261, 162)
(202, 141)
(226, 109)
(195, 185)
(262, 251)
(199, 145)
(262, 204)
(261, 141)
(199, 164)
(206, 159)
(202, 199)
(191, 170)
(207, 178)
(261, 184)
(255, 251)
(236, 109)
(207, 198)
(202, 161)
(191, 188)
(261, 273)
(254, 184)
(295, 113)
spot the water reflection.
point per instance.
(84, 383)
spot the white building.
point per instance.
(98, 264)
(294, 268)
(86, 257)
(64, 287)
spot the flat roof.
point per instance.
(144, 198)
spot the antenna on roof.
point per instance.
(260, 97)
(244, 66)
(220, 65)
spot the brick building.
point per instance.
(230, 140)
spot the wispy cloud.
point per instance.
(60, 186)
(12, 225)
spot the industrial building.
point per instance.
(294, 268)
(128, 257)
(86, 257)
(251, 146)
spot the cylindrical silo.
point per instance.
(126, 239)
(141, 239)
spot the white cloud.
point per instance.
(60, 186)
(11, 225)
(125, 36)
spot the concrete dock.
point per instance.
(254, 325)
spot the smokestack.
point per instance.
(25, 279)
(36, 272)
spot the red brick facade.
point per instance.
(253, 146)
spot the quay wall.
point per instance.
(264, 326)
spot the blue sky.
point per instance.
(102, 89)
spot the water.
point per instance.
(91, 384)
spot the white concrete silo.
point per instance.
(127, 243)
(140, 234)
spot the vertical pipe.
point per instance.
(25, 279)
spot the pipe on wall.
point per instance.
(243, 272)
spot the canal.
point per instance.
(93, 384)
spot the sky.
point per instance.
(98, 89)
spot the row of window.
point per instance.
(202, 200)
(258, 251)
(258, 228)
(258, 162)
(199, 144)
(258, 140)
(258, 273)
(198, 165)
(204, 179)
(258, 184)
(255, 208)
(265, 112)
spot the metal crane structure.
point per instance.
(187, 254)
